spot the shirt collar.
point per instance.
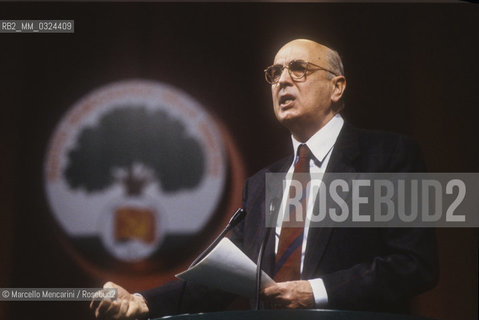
(323, 140)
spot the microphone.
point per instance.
(273, 207)
(237, 217)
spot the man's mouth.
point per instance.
(286, 100)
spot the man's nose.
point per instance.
(285, 78)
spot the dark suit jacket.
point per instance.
(377, 269)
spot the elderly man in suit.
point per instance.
(377, 269)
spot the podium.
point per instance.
(316, 314)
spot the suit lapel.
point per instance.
(272, 204)
(345, 152)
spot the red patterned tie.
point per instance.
(288, 257)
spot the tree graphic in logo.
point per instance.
(134, 147)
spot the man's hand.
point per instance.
(289, 295)
(126, 307)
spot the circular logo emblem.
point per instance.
(135, 170)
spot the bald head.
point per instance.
(317, 53)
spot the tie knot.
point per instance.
(304, 152)
(304, 155)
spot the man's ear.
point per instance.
(339, 85)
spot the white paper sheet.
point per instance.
(227, 268)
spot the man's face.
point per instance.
(303, 106)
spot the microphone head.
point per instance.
(237, 217)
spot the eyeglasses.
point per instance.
(297, 69)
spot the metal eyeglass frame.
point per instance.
(295, 78)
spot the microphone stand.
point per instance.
(259, 267)
(273, 208)
(237, 217)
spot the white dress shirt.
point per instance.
(321, 145)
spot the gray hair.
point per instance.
(335, 63)
(336, 66)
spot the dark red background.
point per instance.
(411, 69)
